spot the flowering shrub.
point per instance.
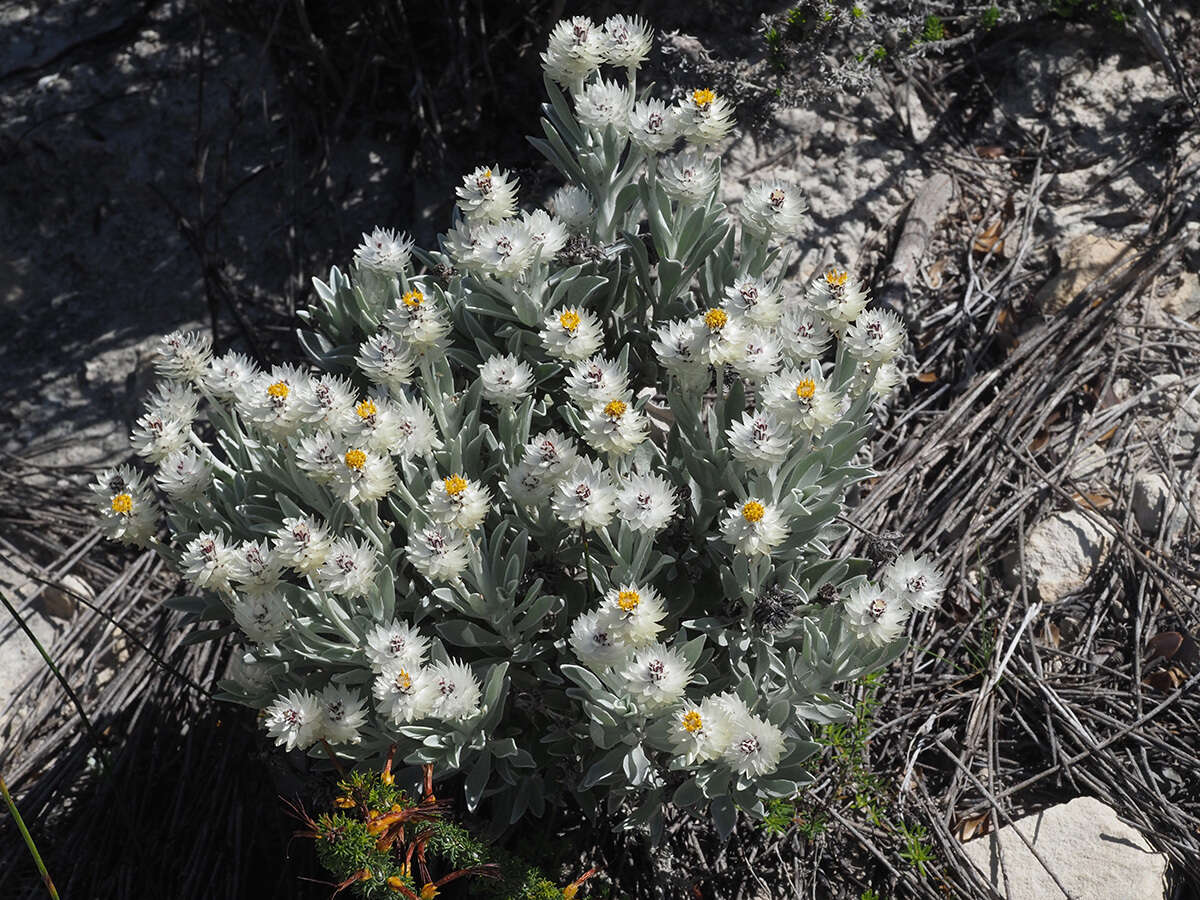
(554, 507)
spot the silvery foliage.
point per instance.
(644, 258)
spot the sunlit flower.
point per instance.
(399, 695)
(572, 333)
(302, 544)
(205, 561)
(706, 117)
(874, 615)
(487, 195)
(384, 250)
(342, 714)
(505, 380)
(632, 614)
(585, 497)
(438, 552)
(689, 177)
(184, 475)
(452, 690)
(653, 126)
(573, 206)
(594, 645)
(754, 527)
(294, 720)
(626, 41)
(459, 502)
(575, 49)
(656, 677)
(263, 615)
(184, 356)
(759, 440)
(915, 581)
(752, 746)
(699, 731)
(774, 209)
(396, 644)
(228, 374)
(603, 103)
(646, 502)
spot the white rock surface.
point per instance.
(1062, 552)
(1094, 854)
(1084, 260)
(1155, 501)
(62, 600)
(1183, 301)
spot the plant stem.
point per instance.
(33, 850)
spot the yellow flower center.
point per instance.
(404, 680)
(715, 319)
(806, 388)
(122, 504)
(356, 459)
(753, 511)
(366, 409)
(455, 485)
(835, 278)
(569, 320)
(278, 390)
(692, 721)
(412, 299)
(628, 600)
(703, 97)
(614, 409)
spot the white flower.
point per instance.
(752, 746)
(761, 355)
(173, 400)
(505, 380)
(263, 616)
(646, 502)
(915, 581)
(754, 527)
(505, 249)
(722, 340)
(396, 644)
(271, 400)
(546, 232)
(384, 250)
(680, 348)
(575, 50)
(885, 380)
(303, 544)
(157, 435)
(205, 561)
(227, 375)
(875, 616)
(487, 195)
(349, 569)
(184, 356)
(342, 714)
(573, 206)
(759, 440)
(875, 336)
(320, 455)
(364, 476)
(603, 103)
(255, 565)
(398, 693)
(248, 672)
(459, 243)
(418, 432)
(706, 117)
(550, 454)
(585, 496)
(837, 295)
(374, 424)
(753, 300)
(689, 177)
(571, 332)
(616, 427)
(774, 208)
(386, 360)
(653, 126)
(632, 615)
(594, 645)
(326, 402)
(294, 720)
(699, 732)
(459, 502)
(128, 511)
(656, 677)
(595, 381)
(529, 485)
(626, 41)
(452, 689)
(438, 552)
(801, 399)
(184, 475)
(419, 322)
(805, 334)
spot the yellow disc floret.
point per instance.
(835, 278)
(454, 485)
(278, 390)
(614, 409)
(716, 319)
(366, 409)
(413, 299)
(355, 459)
(122, 504)
(692, 721)
(753, 511)
(806, 388)
(628, 600)
(569, 320)
(404, 680)
(703, 97)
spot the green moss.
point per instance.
(934, 29)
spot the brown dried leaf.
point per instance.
(1166, 679)
(990, 151)
(934, 275)
(975, 826)
(1100, 501)
(988, 239)
(927, 377)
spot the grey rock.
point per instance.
(1084, 260)
(1092, 853)
(1156, 505)
(1062, 553)
(61, 600)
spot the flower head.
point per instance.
(760, 440)
(184, 475)
(263, 615)
(184, 356)
(398, 692)
(801, 399)
(751, 746)
(396, 644)
(656, 677)
(699, 730)
(754, 527)
(689, 176)
(487, 195)
(646, 503)
(874, 615)
(206, 561)
(439, 552)
(774, 209)
(573, 206)
(876, 336)
(604, 103)
(594, 645)
(342, 714)
(505, 380)
(294, 720)
(227, 375)
(458, 502)
(585, 497)
(915, 581)
(653, 126)
(626, 41)
(549, 235)
(632, 614)
(575, 50)
(384, 250)
(349, 569)
(707, 117)
(571, 333)
(303, 544)
(839, 297)
(452, 691)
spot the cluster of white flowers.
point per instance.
(581, 472)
